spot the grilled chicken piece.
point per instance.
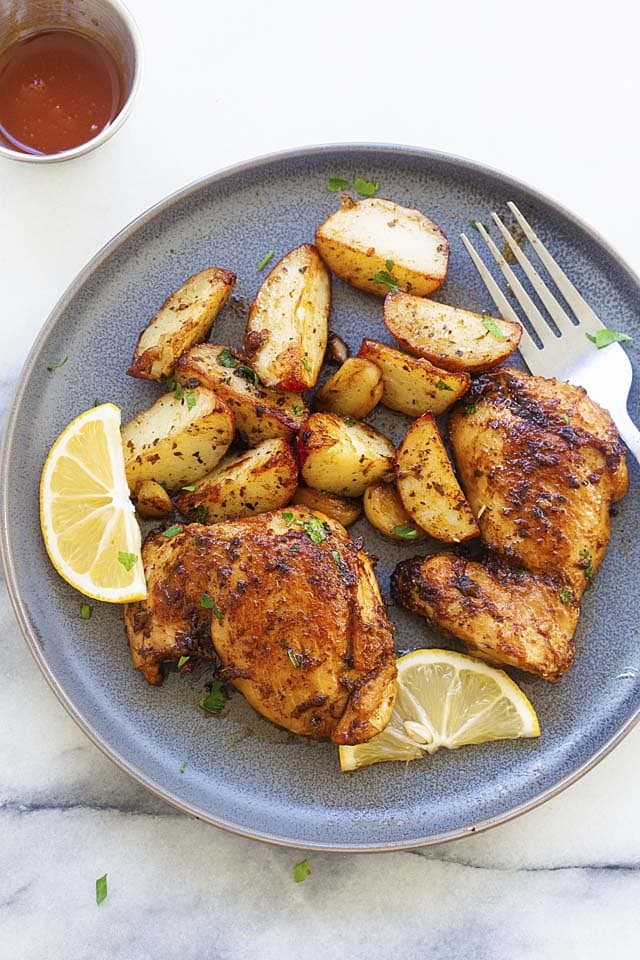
(299, 626)
(540, 464)
(502, 615)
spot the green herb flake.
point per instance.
(301, 871)
(189, 488)
(170, 384)
(244, 371)
(85, 611)
(476, 224)
(127, 559)
(334, 184)
(191, 400)
(315, 530)
(340, 564)
(441, 385)
(288, 518)
(295, 659)
(182, 661)
(202, 514)
(296, 409)
(294, 549)
(209, 604)
(366, 188)
(227, 359)
(405, 531)
(183, 766)
(56, 366)
(306, 364)
(493, 328)
(566, 419)
(265, 260)
(604, 338)
(566, 595)
(215, 699)
(101, 889)
(172, 531)
(179, 391)
(588, 563)
(470, 407)
(386, 277)
(350, 421)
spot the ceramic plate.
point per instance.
(241, 772)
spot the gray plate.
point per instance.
(243, 773)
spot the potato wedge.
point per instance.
(185, 318)
(244, 484)
(345, 511)
(176, 442)
(343, 458)
(450, 337)
(353, 390)
(413, 385)
(260, 413)
(385, 511)
(153, 502)
(363, 237)
(286, 333)
(427, 485)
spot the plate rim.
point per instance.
(10, 437)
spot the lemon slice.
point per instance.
(87, 519)
(446, 699)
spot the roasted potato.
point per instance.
(353, 390)
(367, 237)
(343, 458)
(185, 318)
(286, 332)
(176, 442)
(260, 413)
(244, 484)
(427, 485)
(413, 385)
(451, 338)
(385, 511)
(153, 502)
(346, 511)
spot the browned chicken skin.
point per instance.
(540, 464)
(299, 626)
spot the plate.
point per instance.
(241, 772)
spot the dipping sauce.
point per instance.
(58, 89)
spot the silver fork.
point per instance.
(605, 374)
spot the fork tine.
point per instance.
(528, 348)
(561, 317)
(583, 312)
(537, 321)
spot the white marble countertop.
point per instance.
(548, 96)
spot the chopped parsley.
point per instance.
(101, 889)
(306, 364)
(247, 373)
(85, 611)
(56, 366)
(296, 409)
(566, 419)
(350, 421)
(295, 659)
(127, 559)
(182, 661)
(172, 531)
(179, 391)
(334, 184)
(476, 224)
(301, 871)
(202, 514)
(587, 565)
(209, 604)
(340, 564)
(493, 328)
(183, 766)
(603, 338)
(170, 382)
(441, 385)
(190, 488)
(265, 260)
(386, 276)
(470, 407)
(227, 359)
(315, 529)
(191, 400)
(366, 188)
(405, 531)
(215, 699)
(288, 518)
(294, 548)
(566, 595)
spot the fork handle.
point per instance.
(629, 433)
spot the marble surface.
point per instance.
(550, 99)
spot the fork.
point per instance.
(568, 355)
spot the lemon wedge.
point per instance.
(445, 699)
(87, 519)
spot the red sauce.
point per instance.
(58, 89)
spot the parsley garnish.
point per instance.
(127, 559)
(227, 359)
(566, 595)
(190, 488)
(588, 563)
(172, 531)
(336, 183)
(209, 604)
(182, 661)
(191, 400)
(295, 659)
(603, 338)
(215, 699)
(247, 374)
(265, 260)
(170, 382)
(301, 871)
(183, 766)
(202, 514)
(288, 518)
(306, 364)
(339, 562)
(470, 407)
(566, 419)
(296, 409)
(476, 224)
(294, 549)
(366, 188)
(493, 328)
(350, 421)
(386, 276)
(179, 391)
(315, 529)
(441, 385)
(101, 889)
(56, 366)
(405, 531)
(85, 611)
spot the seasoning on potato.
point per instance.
(353, 391)
(345, 510)
(343, 457)
(385, 511)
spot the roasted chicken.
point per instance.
(540, 464)
(290, 605)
